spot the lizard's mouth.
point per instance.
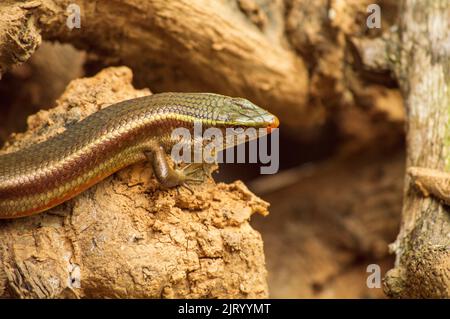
(273, 124)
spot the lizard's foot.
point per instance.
(169, 176)
(198, 169)
(193, 173)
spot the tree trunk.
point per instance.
(422, 248)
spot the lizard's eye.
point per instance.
(242, 104)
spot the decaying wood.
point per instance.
(423, 67)
(126, 237)
(289, 56)
(201, 45)
(431, 182)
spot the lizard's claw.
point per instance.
(193, 173)
(184, 185)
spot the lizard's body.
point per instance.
(44, 175)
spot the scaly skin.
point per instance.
(39, 177)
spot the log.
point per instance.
(127, 237)
(291, 57)
(193, 45)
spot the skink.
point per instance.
(44, 175)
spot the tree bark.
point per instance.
(422, 63)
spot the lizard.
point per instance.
(44, 175)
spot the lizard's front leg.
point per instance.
(166, 175)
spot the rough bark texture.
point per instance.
(423, 65)
(125, 237)
(431, 182)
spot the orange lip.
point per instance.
(275, 123)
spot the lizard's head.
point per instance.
(239, 112)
